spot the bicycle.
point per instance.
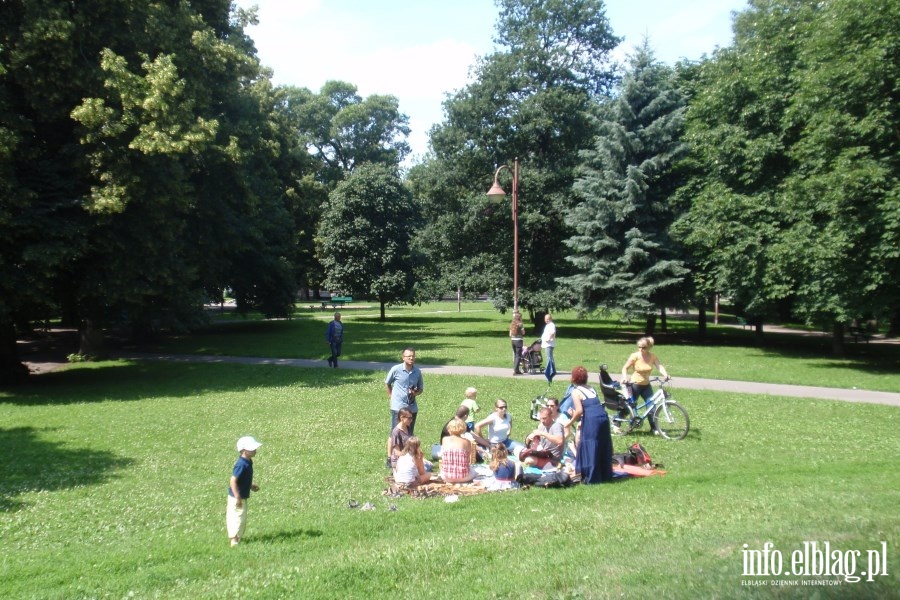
(665, 415)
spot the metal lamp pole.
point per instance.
(496, 194)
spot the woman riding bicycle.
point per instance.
(642, 363)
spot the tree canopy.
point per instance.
(147, 168)
(530, 101)
(794, 203)
(364, 236)
(621, 252)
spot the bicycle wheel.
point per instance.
(671, 420)
(624, 421)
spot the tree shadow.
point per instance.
(129, 381)
(41, 465)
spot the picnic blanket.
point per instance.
(636, 471)
(434, 488)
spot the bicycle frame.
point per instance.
(658, 397)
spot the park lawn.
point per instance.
(116, 475)
(478, 336)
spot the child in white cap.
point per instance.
(239, 488)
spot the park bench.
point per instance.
(336, 301)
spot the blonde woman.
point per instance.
(456, 454)
(642, 364)
(505, 470)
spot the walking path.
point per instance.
(720, 385)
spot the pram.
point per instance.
(613, 397)
(532, 359)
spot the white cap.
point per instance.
(248, 442)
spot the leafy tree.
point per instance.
(147, 170)
(621, 250)
(364, 236)
(530, 101)
(345, 130)
(795, 197)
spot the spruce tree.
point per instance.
(621, 250)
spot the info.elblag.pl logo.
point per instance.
(814, 560)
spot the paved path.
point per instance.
(721, 385)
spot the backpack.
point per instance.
(638, 455)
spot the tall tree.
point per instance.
(345, 130)
(621, 250)
(529, 102)
(796, 195)
(364, 236)
(143, 172)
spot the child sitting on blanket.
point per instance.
(410, 469)
(505, 471)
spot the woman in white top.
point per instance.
(499, 425)
(411, 464)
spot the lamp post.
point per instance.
(496, 194)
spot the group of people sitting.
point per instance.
(464, 442)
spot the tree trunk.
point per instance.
(91, 342)
(381, 302)
(701, 319)
(837, 340)
(663, 325)
(12, 369)
(758, 329)
(894, 327)
(650, 325)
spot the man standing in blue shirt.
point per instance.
(404, 383)
(335, 338)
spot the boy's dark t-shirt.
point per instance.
(243, 470)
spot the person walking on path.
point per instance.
(517, 336)
(335, 338)
(548, 343)
(404, 384)
(239, 488)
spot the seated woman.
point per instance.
(505, 471)
(410, 469)
(456, 454)
(499, 425)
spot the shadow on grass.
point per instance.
(40, 465)
(125, 381)
(285, 536)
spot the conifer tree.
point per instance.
(621, 251)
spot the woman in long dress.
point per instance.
(593, 459)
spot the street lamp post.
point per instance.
(496, 194)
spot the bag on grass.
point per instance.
(554, 479)
(638, 455)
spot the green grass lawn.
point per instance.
(478, 336)
(115, 480)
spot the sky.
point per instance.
(421, 50)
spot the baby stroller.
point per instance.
(532, 359)
(613, 397)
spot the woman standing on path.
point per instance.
(593, 458)
(516, 336)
